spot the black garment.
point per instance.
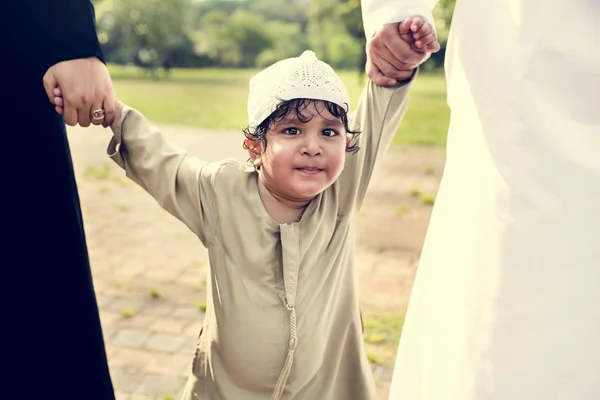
(51, 345)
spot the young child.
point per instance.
(282, 317)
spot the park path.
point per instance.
(150, 271)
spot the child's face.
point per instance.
(302, 159)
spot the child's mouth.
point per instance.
(310, 170)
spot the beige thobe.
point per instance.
(282, 318)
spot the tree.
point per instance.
(233, 40)
(287, 41)
(329, 22)
(351, 16)
(149, 33)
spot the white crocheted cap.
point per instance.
(303, 77)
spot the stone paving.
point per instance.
(149, 269)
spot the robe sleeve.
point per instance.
(376, 13)
(46, 32)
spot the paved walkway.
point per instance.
(150, 270)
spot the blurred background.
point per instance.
(204, 51)
(160, 35)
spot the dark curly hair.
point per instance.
(297, 107)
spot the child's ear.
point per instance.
(255, 150)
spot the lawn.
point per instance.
(216, 99)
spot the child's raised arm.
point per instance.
(377, 116)
(181, 184)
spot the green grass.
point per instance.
(428, 199)
(127, 313)
(383, 328)
(373, 357)
(97, 172)
(201, 305)
(155, 293)
(216, 99)
(382, 334)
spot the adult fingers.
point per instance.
(399, 53)
(384, 66)
(396, 69)
(377, 76)
(84, 113)
(97, 112)
(69, 111)
(393, 75)
(50, 82)
(389, 46)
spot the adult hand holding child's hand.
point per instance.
(87, 91)
(391, 58)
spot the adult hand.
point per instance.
(86, 87)
(390, 59)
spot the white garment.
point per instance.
(506, 301)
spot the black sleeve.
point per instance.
(46, 32)
(71, 25)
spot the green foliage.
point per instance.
(328, 35)
(251, 33)
(148, 33)
(288, 41)
(233, 40)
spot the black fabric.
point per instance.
(52, 342)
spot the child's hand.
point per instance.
(419, 34)
(59, 106)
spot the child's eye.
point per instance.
(292, 131)
(329, 132)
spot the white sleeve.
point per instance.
(376, 13)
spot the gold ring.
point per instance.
(98, 114)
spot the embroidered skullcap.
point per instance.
(303, 77)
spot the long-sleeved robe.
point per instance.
(505, 300)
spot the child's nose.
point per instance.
(312, 146)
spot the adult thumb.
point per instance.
(50, 83)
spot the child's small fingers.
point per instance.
(425, 30)
(417, 23)
(426, 40)
(404, 27)
(57, 91)
(59, 110)
(432, 47)
(58, 101)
